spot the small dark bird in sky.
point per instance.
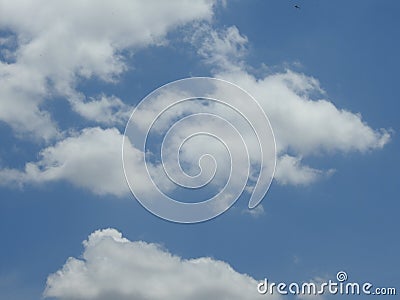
(296, 6)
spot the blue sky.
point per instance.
(313, 223)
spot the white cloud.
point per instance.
(91, 159)
(113, 267)
(68, 40)
(200, 129)
(21, 93)
(225, 48)
(49, 59)
(105, 110)
(304, 121)
(290, 170)
(304, 125)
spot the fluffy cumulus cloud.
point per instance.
(103, 109)
(112, 267)
(305, 122)
(222, 48)
(89, 159)
(46, 53)
(89, 39)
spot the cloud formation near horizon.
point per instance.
(112, 267)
